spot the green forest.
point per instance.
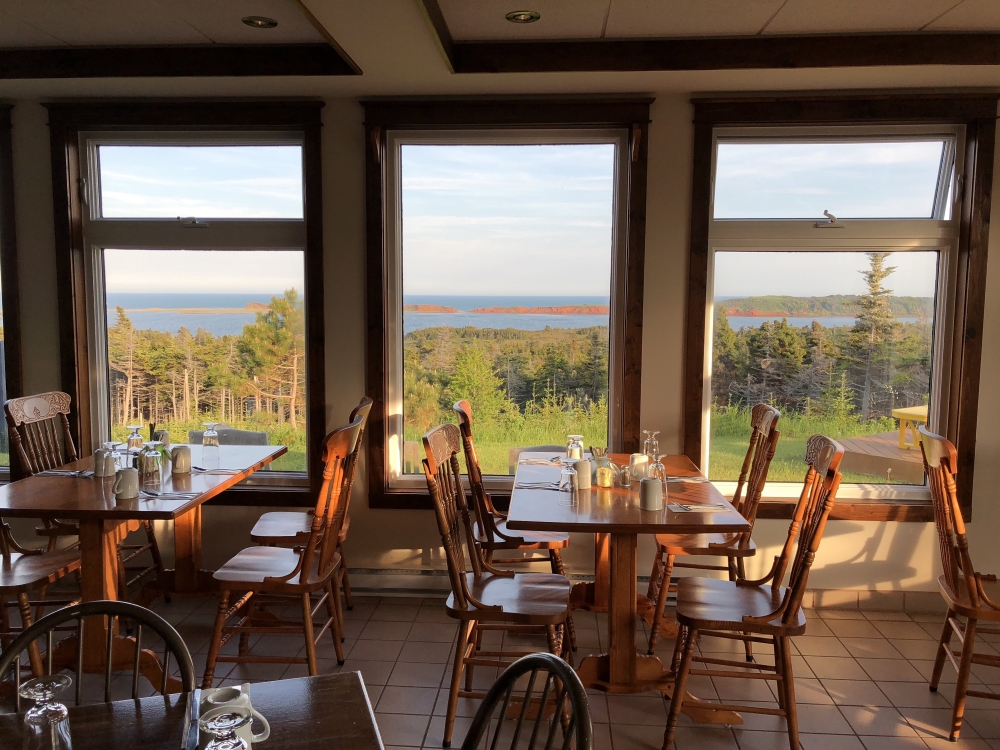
(526, 387)
(252, 381)
(830, 305)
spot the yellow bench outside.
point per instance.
(910, 417)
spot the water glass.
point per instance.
(210, 445)
(574, 446)
(651, 446)
(222, 725)
(567, 477)
(46, 724)
(135, 440)
(658, 471)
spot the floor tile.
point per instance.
(934, 722)
(914, 695)
(883, 721)
(416, 675)
(854, 628)
(432, 631)
(407, 700)
(405, 730)
(856, 693)
(733, 690)
(937, 743)
(841, 614)
(464, 707)
(435, 731)
(808, 690)
(372, 672)
(893, 743)
(811, 645)
(704, 738)
(986, 722)
(636, 736)
(914, 649)
(434, 653)
(822, 720)
(901, 630)
(871, 648)
(377, 650)
(386, 630)
(836, 667)
(890, 670)
(750, 740)
(396, 612)
(637, 709)
(830, 742)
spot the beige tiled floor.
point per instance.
(860, 679)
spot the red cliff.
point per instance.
(563, 310)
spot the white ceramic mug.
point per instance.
(651, 494)
(180, 459)
(226, 697)
(126, 484)
(104, 463)
(583, 474)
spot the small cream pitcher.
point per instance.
(235, 696)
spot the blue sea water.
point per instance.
(170, 319)
(417, 321)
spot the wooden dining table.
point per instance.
(104, 521)
(614, 516)
(329, 711)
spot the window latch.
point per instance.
(830, 223)
(190, 222)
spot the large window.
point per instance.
(850, 235)
(195, 261)
(506, 263)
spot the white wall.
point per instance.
(883, 556)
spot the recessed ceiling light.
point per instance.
(260, 22)
(523, 16)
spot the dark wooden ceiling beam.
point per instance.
(728, 53)
(176, 61)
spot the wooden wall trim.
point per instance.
(727, 53)
(978, 114)
(589, 112)
(9, 266)
(177, 61)
(66, 122)
(439, 27)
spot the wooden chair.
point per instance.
(40, 438)
(279, 573)
(734, 547)
(551, 683)
(974, 596)
(485, 598)
(142, 618)
(755, 610)
(22, 573)
(291, 528)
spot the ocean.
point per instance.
(172, 311)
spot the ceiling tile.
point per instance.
(561, 19)
(670, 18)
(16, 33)
(971, 15)
(855, 16)
(221, 20)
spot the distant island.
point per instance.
(429, 309)
(252, 307)
(834, 305)
(562, 310)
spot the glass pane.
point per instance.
(840, 342)
(801, 180)
(199, 336)
(506, 283)
(240, 182)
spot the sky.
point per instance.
(256, 271)
(507, 220)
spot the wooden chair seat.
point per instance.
(708, 545)
(524, 539)
(251, 569)
(961, 605)
(281, 527)
(21, 572)
(531, 598)
(710, 604)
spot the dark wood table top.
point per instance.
(91, 497)
(616, 510)
(329, 711)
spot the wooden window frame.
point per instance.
(978, 114)
(9, 274)
(382, 116)
(66, 123)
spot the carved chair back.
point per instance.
(361, 412)
(819, 490)
(39, 431)
(444, 482)
(486, 514)
(753, 474)
(941, 465)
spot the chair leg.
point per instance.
(456, 680)
(216, 644)
(34, 657)
(154, 548)
(333, 612)
(779, 667)
(476, 637)
(690, 636)
(556, 561)
(666, 569)
(40, 609)
(4, 624)
(344, 577)
(788, 690)
(944, 643)
(965, 667)
(307, 629)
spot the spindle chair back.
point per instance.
(39, 432)
(969, 594)
(144, 622)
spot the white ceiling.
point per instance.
(57, 23)
(479, 20)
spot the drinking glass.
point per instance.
(222, 727)
(574, 446)
(135, 440)
(567, 477)
(210, 444)
(46, 724)
(658, 471)
(651, 446)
